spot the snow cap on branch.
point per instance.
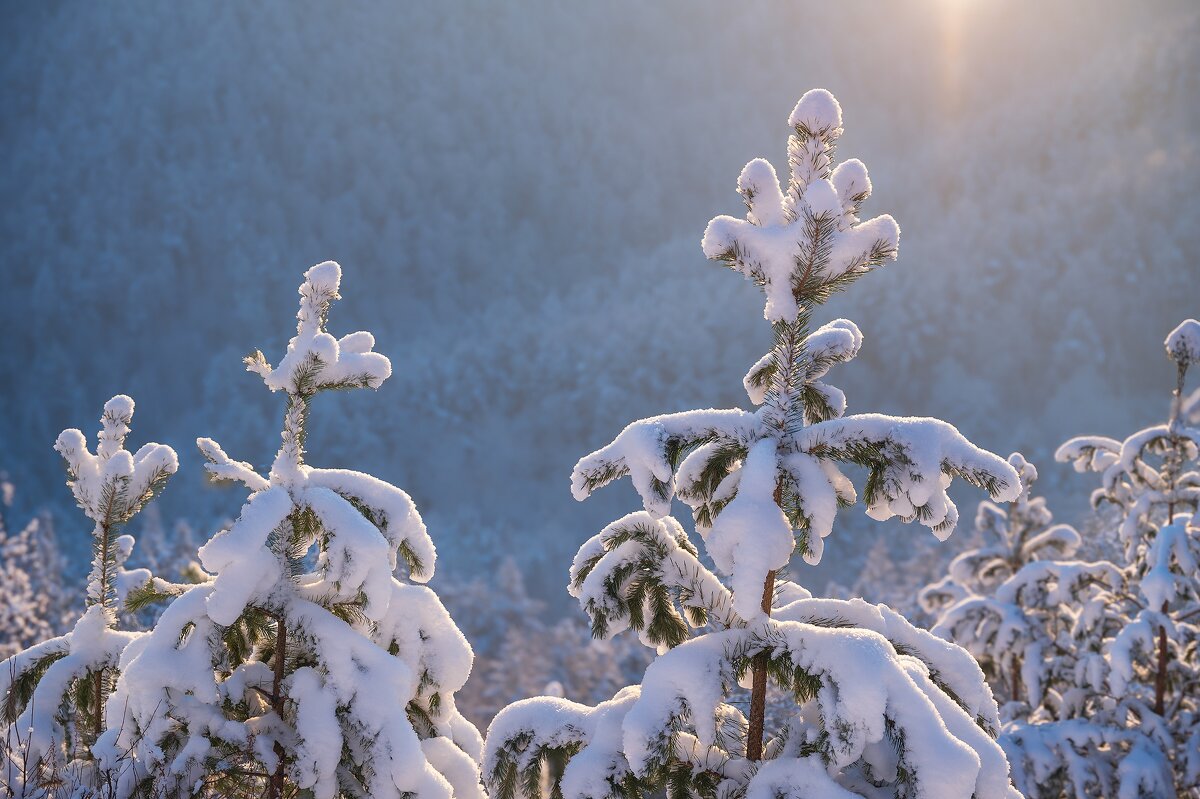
(1183, 344)
(918, 457)
(817, 111)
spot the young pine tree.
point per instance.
(52, 695)
(1038, 623)
(876, 706)
(1153, 479)
(302, 665)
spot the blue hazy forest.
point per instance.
(516, 193)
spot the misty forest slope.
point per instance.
(517, 194)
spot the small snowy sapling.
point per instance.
(1113, 711)
(302, 664)
(52, 695)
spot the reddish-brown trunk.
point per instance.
(1160, 675)
(758, 688)
(758, 669)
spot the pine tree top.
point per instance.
(114, 484)
(804, 243)
(315, 360)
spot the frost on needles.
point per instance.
(873, 706)
(300, 663)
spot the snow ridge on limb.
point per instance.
(583, 742)
(867, 694)
(949, 666)
(52, 695)
(649, 451)
(265, 678)
(220, 467)
(912, 461)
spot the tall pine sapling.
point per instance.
(1037, 623)
(310, 661)
(1152, 626)
(877, 705)
(53, 693)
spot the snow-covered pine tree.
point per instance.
(1014, 601)
(1153, 478)
(52, 695)
(1037, 623)
(879, 706)
(303, 666)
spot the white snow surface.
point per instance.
(817, 110)
(751, 536)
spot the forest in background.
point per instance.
(503, 183)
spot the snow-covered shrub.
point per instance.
(1037, 623)
(1153, 478)
(52, 694)
(878, 706)
(1126, 719)
(1018, 604)
(301, 662)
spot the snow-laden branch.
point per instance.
(223, 468)
(644, 573)
(648, 451)
(862, 692)
(912, 461)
